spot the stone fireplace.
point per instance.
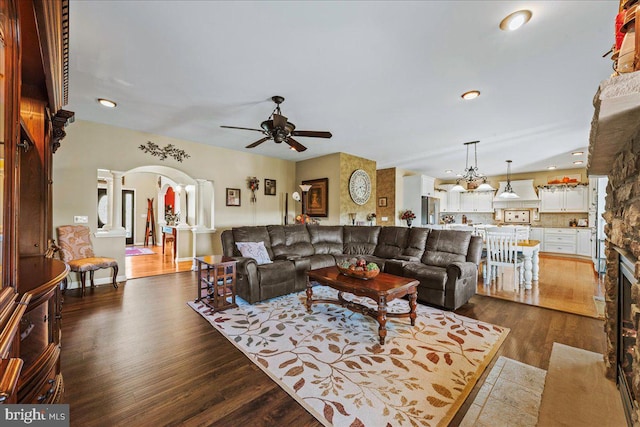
(614, 150)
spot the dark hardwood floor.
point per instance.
(139, 356)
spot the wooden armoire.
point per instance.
(34, 71)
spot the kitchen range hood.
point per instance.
(523, 188)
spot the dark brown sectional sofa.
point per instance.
(444, 261)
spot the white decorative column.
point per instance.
(109, 224)
(116, 222)
(200, 208)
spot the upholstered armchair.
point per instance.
(77, 251)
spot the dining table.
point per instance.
(530, 250)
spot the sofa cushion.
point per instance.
(446, 246)
(252, 234)
(326, 239)
(430, 276)
(391, 242)
(416, 242)
(290, 240)
(360, 240)
(255, 250)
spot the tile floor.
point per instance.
(509, 397)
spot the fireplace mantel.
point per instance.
(615, 120)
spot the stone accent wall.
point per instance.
(622, 214)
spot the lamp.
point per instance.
(471, 173)
(305, 189)
(508, 192)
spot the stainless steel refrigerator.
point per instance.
(430, 212)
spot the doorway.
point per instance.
(128, 211)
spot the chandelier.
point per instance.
(471, 173)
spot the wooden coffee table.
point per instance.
(382, 289)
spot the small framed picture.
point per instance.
(269, 187)
(233, 197)
(382, 202)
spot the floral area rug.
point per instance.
(331, 362)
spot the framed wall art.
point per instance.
(233, 197)
(317, 200)
(382, 202)
(269, 187)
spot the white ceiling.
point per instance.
(385, 77)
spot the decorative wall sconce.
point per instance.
(168, 150)
(253, 183)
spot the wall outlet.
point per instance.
(385, 218)
(81, 219)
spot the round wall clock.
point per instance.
(360, 187)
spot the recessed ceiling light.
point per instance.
(578, 162)
(472, 94)
(107, 103)
(515, 20)
(448, 171)
(551, 167)
(577, 153)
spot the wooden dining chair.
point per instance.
(76, 251)
(502, 251)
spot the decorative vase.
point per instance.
(409, 223)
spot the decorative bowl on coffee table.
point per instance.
(359, 274)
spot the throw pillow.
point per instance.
(255, 250)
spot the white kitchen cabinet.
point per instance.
(476, 201)
(584, 245)
(420, 185)
(564, 199)
(560, 240)
(444, 199)
(536, 233)
(452, 199)
(414, 187)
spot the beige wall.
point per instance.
(338, 167)
(320, 167)
(90, 146)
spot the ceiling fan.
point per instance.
(277, 128)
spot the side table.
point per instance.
(216, 281)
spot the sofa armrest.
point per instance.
(459, 270)
(247, 279)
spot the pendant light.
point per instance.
(508, 192)
(471, 173)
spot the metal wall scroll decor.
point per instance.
(168, 150)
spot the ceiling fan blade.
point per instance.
(258, 142)
(295, 144)
(236, 127)
(312, 133)
(279, 121)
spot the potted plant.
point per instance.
(371, 217)
(408, 216)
